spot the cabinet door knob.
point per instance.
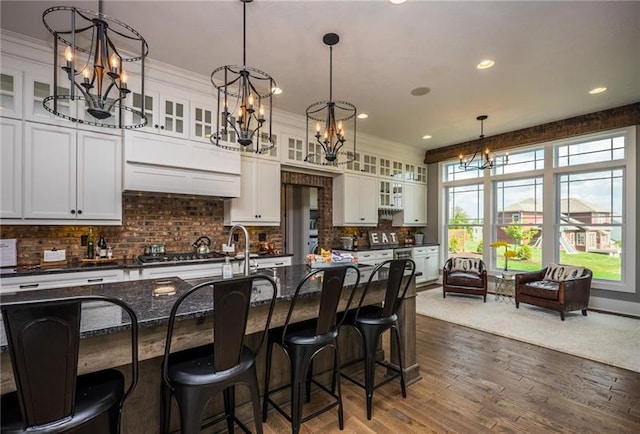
(73, 211)
(361, 218)
(79, 211)
(156, 126)
(162, 127)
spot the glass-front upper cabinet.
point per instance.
(203, 120)
(11, 93)
(38, 86)
(414, 172)
(167, 115)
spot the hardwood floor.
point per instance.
(475, 382)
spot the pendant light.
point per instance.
(244, 103)
(329, 119)
(481, 158)
(98, 53)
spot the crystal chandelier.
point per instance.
(96, 49)
(481, 158)
(325, 147)
(242, 97)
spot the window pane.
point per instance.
(608, 149)
(591, 222)
(465, 220)
(519, 216)
(521, 162)
(453, 172)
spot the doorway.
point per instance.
(301, 221)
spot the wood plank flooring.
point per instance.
(475, 382)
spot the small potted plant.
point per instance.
(418, 237)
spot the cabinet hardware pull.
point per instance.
(73, 211)
(79, 211)
(30, 285)
(99, 279)
(279, 263)
(361, 218)
(156, 126)
(162, 127)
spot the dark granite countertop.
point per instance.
(75, 266)
(100, 318)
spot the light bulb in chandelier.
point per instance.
(93, 67)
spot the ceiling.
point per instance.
(548, 55)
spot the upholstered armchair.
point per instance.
(465, 276)
(558, 287)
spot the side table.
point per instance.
(505, 287)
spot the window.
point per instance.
(591, 206)
(588, 207)
(523, 235)
(465, 220)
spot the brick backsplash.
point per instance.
(177, 221)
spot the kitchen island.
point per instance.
(106, 342)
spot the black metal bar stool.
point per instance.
(372, 321)
(194, 376)
(43, 338)
(303, 341)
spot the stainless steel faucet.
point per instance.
(246, 246)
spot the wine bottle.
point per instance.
(102, 247)
(90, 245)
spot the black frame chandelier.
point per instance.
(481, 158)
(330, 118)
(96, 48)
(249, 90)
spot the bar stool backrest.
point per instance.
(43, 338)
(231, 302)
(332, 289)
(395, 290)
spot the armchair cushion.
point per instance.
(558, 273)
(541, 288)
(462, 278)
(468, 265)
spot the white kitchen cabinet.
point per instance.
(259, 201)
(414, 212)
(427, 259)
(185, 272)
(270, 262)
(11, 93)
(59, 280)
(72, 175)
(391, 194)
(370, 257)
(354, 202)
(38, 85)
(433, 263)
(166, 113)
(11, 168)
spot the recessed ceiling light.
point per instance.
(597, 90)
(485, 64)
(397, 2)
(276, 91)
(420, 91)
(426, 137)
(363, 116)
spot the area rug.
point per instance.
(610, 339)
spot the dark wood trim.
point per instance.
(584, 124)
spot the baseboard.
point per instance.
(607, 305)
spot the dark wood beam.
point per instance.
(584, 124)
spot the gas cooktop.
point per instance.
(170, 258)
